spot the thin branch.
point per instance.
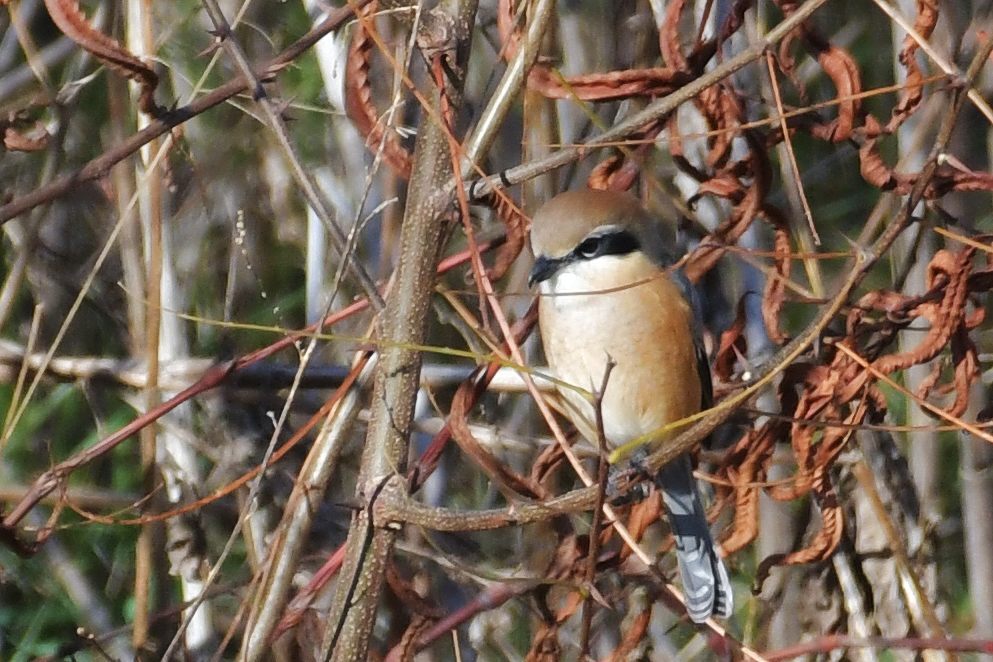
(839, 641)
(708, 420)
(51, 479)
(395, 507)
(863, 474)
(98, 167)
(502, 99)
(654, 112)
(864, 260)
(924, 404)
(273, 115)
(291, 534)
(950, 69)
(603, 468)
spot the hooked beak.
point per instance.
(543, 269)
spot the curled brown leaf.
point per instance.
(69, 18)
(732, 344)
(502, 476)
(515, 233)
(358, 97)
(16, 141)
(609, 86)
(913, 90)
(823, 544)
(774, 296)
(746, 466)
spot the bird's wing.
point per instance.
(703, 367)
(705, 580)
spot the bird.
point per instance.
(608, 293)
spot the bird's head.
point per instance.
(579, 229)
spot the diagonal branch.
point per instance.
(98, 167)
(273, 115)
(654, 112)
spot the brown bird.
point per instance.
(602, 261)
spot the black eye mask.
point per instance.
(614, 241)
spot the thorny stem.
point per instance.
(441, 519)
(395, 506)
(303, 179)
(864, 260)
(603, 468)
(101, 165)
(269, 600)
(650, 114)
(940, 143)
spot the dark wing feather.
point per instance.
(705, 580)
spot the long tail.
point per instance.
(705, 579)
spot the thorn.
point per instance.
(211, 49)
(281, 106)
(221, 33)
(599, 597)
(348, 505)
(948, 159)
(862, 254)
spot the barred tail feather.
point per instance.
(704, 577)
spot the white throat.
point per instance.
(586, 282)
(587, 276)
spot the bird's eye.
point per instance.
(590, 247)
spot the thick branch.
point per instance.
(404, 325)
(394, 506)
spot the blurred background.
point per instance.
(855, 503)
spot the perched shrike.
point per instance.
(601, 263)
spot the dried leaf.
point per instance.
(913, 91)
(643, 514)
(634, 632)
(545, 645)
(515, 232)
(68, 17)
(948, 273)
(502, 476)
(823, 544)
(609, 86)
(756, 448)
(756, 165)
(16, 141)
(669, 45)
(732, 344)
(840, 67)
(774, 296)
(358, 97)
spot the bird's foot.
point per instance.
(629, 484)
